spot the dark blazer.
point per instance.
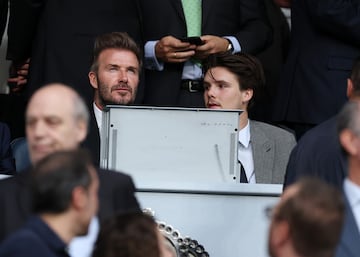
(318, 153)
(92, 140)
(349, 242)
(243, 19)
(3, 16)
(64, 38)
(325, 39)
(7, 162)
(116, 194)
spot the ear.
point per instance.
(79, 198)
(280, 234)
(82, 131)
(247, 95)
(93, 79)
(347, 140)
(350, 88)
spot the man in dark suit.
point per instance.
(115, 76)
(57, 119)
(62, 38)
(325, 40)
(349, 136)
(62, 212)
(173, 76)
(318, 153)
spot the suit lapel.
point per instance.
(263, 153)
(350, 235)
(179, 9)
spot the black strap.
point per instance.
(243, 178)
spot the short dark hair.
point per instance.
(315, 217)
(132, 234)
(247, 68)
(355, 76)
(54, 178)
(117, 40)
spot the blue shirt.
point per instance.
(35, 239)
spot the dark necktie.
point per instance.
(243, 178)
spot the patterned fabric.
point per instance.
(192, 12)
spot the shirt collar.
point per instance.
(244, 135)
(352, 191)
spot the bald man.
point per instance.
(57, 119)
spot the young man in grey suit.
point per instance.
(349, 137)
(230, 82)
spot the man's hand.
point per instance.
(212, 45)
(171, 49)
(18, 75)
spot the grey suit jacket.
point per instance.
(271, 148)
(349, 242)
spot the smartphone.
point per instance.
(193, 40)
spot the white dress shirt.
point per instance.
(82, 246)
(352, 192)
(245, 155)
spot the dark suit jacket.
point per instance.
(92, 140)
(324, 42)
(318, 153)
(349, 242)
(3, 17)
(243, 19)
(116, 194)
(64, 36)
(7, 162)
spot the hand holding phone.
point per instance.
(193, 40)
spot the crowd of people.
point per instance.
(298, 91)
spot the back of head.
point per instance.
(128, 235)
(56, 176)
(314, 212)
(247, 69)
(348, 125)
(116, 40)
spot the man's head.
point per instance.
(130, 234)
(66, 182)
(230, 80)
(56, 119)
(115, 69)
(307, 221)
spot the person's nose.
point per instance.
(39, 129)
(123, 76)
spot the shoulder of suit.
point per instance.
(271, 129)
(111, 173)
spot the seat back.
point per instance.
(20, 153)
